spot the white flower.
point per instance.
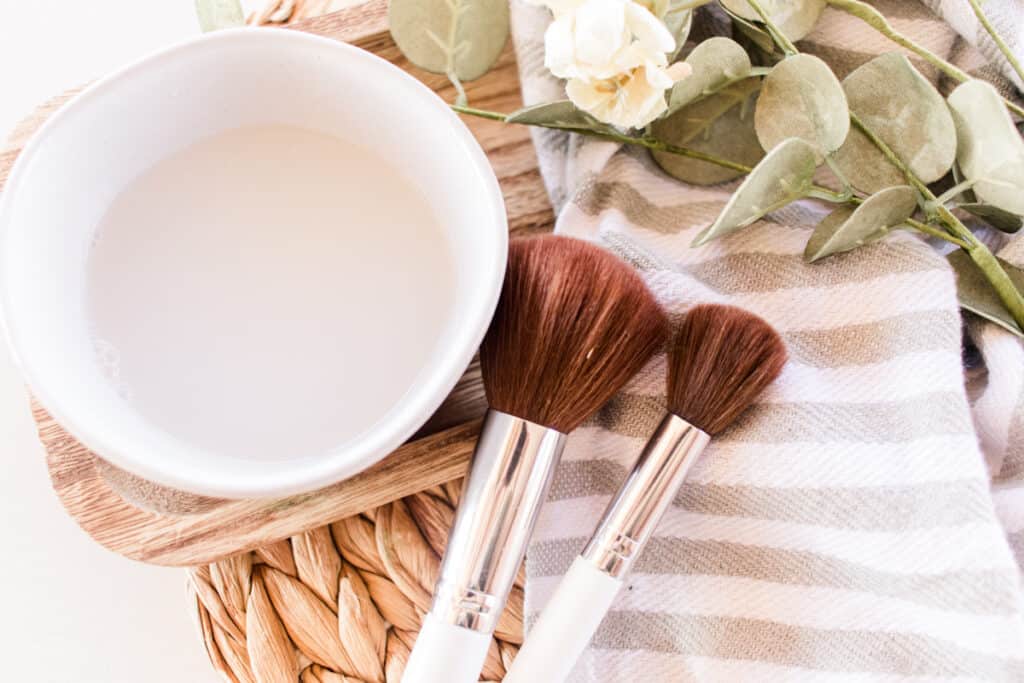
(630, 99)
(598, 39)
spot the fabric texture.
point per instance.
(864, 521)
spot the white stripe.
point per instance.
(906, 376)
(901, 377)
(711, 670)
(804, 464)
(1009, 504)
(815, 607)
(767, 239)
(822, 308)
(669, 667)
(976, 546)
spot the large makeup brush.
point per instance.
(720, 361)
(573, 324)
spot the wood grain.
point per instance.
(208, 529)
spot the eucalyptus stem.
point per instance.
(998, 39)
(893, 158)
(877, 21)
(986, 261)
(460, 91)
(955, 231)
(932, 231)
(998, 278)
(777, 35)
(642, 140)
(479, 113)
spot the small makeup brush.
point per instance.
(573, 324)
(720, 361)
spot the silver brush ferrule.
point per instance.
(508, 480)
(658, 473)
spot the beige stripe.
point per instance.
(758, 272)
(631, 252)
(595, 197)
(819, 649)
(878, 508)
(878, 422)
(877, 341)
(753, 271)
(977, 592)
(844, 60)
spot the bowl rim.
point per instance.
(303, 473)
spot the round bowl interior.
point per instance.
(75, 166)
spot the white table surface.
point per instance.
(72, 611)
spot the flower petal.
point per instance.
(600, 30)
(679, 71)
(559, 56)
(648, 29)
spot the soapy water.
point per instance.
(109, 360)
(269, 292)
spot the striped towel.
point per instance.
(865, 520)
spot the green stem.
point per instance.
(479, 113)
(893, 158)
(777, 35)
(997, 277)
(979, 253)
(935, 232)
(955, 191)
(460, 92)
(998, 39)
(643, 141)
(825, 194)
(956, 233)
(875, 20)
(453, 28)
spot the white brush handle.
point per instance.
(566, 625)
(446, 653)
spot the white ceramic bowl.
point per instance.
(75, 166)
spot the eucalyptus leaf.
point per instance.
(722, 125)
(217, 14)
(459, 37)
(990, 150)
(994, 216)
(802, 98)
(755, 34)
(783, 176)
(900, 106)
(677, 15)
(561, 114)
(716, 62)
(795, 18)
(845, 229)
(976, 294)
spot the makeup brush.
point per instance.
(573, 324)
(720, 361)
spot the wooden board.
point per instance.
(175, 528)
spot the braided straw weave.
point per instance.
(339, 604)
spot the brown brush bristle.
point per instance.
(720, 361)
(573, 324)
